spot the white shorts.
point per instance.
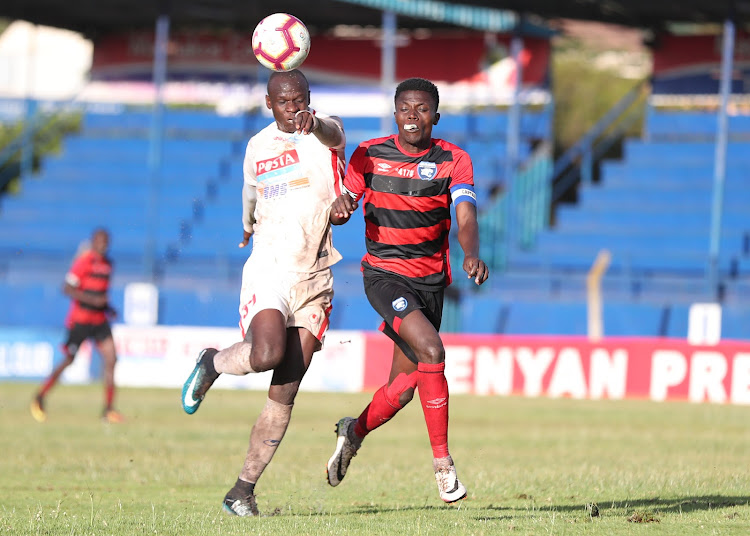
(303, 298)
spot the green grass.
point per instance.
(532, 466)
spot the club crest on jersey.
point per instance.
(426, 170)
(399, 304)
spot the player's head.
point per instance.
(100, 240)
(287, 93)
(416, 113)
(418, 84)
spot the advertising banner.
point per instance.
(164, 356)
(457, 56)
(352, 361)
(691, 64)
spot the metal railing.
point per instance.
(577, 163)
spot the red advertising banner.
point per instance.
(690, 64)
(676, 51)
(442, 56)
(648, 368)
(457, 57)
(490, 365)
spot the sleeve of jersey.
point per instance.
(354, 181)
(462, 181)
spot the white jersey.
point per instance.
(296, 178)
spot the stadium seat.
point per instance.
(483, 314)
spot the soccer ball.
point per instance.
(281, 42)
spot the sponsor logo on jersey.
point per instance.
(296, 184)
(399, 304)
(426, 170)
(286, 159)
(384, 167)
(272, 191)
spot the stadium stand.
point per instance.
(651, 209)
(102, 177)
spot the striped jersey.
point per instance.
(296, 178)
(90, 273)
(406, 205)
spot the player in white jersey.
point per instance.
(293, 170)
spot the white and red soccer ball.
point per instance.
(281, 42)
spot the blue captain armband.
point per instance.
(463, 192)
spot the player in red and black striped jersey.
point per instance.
(406, 183)
(87, 284)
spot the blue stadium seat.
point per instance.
(547, 318)
(633, 319)
(199, 307)
(33, 304)
(354, 312)
(691, 124)
(483, 314)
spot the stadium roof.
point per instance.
(92, 17)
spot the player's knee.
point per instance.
(432, 353)
(265, 358)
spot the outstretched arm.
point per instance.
(328, 130)
(468, 238)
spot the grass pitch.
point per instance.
(532, 466)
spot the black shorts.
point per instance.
(80, 332)
(394, 297)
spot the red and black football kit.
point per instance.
(90, 273)
(406, 203)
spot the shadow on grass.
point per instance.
(665, 505)
(360, 510)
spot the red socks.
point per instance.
(48, 384)
(109, 395)
(433, 393)
(385, 404)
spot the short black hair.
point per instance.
(418, 84)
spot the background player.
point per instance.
(407, 182)
(291, 179)
(87, 284)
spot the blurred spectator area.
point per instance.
(188, 213)
(651, 209)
